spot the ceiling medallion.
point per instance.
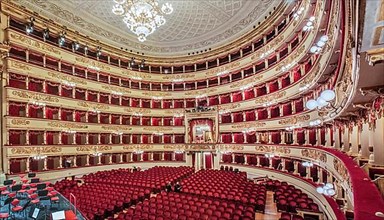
(142, 17)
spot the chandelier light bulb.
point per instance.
(321, 102)
(142, 17)
(328, 95)
(320, 44)
(324, 38)
(311, 104)
(314, 49)
(320, 190)
(312, 18)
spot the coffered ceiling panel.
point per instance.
(193, 26)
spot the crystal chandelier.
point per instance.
(142, 17)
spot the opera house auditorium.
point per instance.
(192, 109)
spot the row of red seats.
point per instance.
(289, 199)
(155, 178)
(186, 206)
(226, 185)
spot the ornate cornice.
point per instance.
(35, 150)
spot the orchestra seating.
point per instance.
(228, 186)
(289, 199)
(105, 193)
(154, 178)
(184, 206)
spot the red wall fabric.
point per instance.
(208, 160)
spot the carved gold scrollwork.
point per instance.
(116, 128)
(35, 43)
(270, 98)
(175, 147)
(249, 125)
(92, 63)
(20, 122)
(226, 147)
(294, 119)
(94, 148)
(37, 97)
(314, 154)
(138, 147)
(19, 65)
(35, 150)
(67, 125)
(273, 149)
(222, 68)
(67, 78)
(93, 106)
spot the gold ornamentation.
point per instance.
(37, 97)
(93, 106)
(34, 43)
(179, 76)
(137, 110)
(157, 129)
(137, 75)
(243, 125)
(94, 148)
(20, 121)
(175, 112)
(311, 76)
(67, 125)
(91, 63)
(156, 93)
(269, 47)
(116, 128)
(200, 147)
(67, 78)
(224, 68)
(201, 92)
(138, 147)
(314, 154)
(341, 169)
(228, 107)
(247, 82)
(227, 147)
(273, 149)
(291, 59)
(174, 147)
(294, 120)
(35, 150)
(270, 98)
(19, 65)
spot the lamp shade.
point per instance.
(329, 185)
(328, 95)
(330, 192)
(314, 49)
(311, 104)
(320, 43)
(320, 190)
(324, 38)
(321, 102)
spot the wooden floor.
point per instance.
(270, 209)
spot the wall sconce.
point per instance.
(29, 27)
(322, 101)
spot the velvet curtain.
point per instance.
(237, 116)
(145, 103)
(249, 94)
(208, 160)
(226, 118)
(225, 99)
(17, 81)
(213, 100)
(200, 122)
(125, 101)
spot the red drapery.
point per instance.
(135, 102)
(15, 109)
(262, 114)
(200, 122)
(251, 137)
(145, 103)
(167, 121)
(273, 86)
(226, 118)
(135, 120)
(35, 85)
(285, 81)
(225, 99)
(156, 103)
(178, 121)
(275, 111)
(213, 100)
(179, 156)
(167, 103)
(50, 111)
(145, 120)
(296, 75)
(236, 97)
(167, 138)
(226, 138)
(239, 138)
(190, 103)
(208, 160)
(80, 94)
(299, 105)
(250, 115)
(249, 93)
(179, 104)
(52, 88)
(92, 96)
(261, 90)
(237, 116)
(17, 81)
(287, 109)
(179, 138)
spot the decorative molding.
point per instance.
(93, 106)
(156, 93)
(66, 77)
(288, 61)
(37, 97)
(19, 65)
(341, 169)
(255, 124)
(175, 147)
(138, 147)
(249, 81)
(138, 110)
(200, 147)
(67, 125)
(314, 154)
(228, 107)
(201, 92)
(375, 56)
(157, 129)
(35, 43)
(270, 98)
(92, 63)
(20, 122)
(273, 149)
(179, 76)
(94, 148)
(294, 119)
(226, 67)
(226, 147)
(35, 150)
(116, 127)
